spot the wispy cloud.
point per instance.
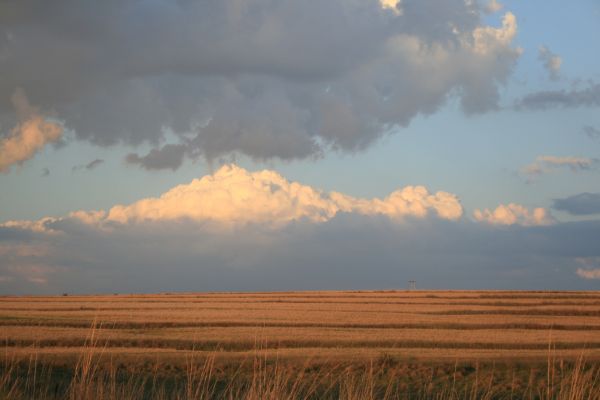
(493, 6)
(546, 164)
(89, 166)
(551, 61)
(579, 204)
(591, 267)
(589, 273)
(586, 97)
(591, 132)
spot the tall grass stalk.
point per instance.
(267, 378)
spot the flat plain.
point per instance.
(323, 326)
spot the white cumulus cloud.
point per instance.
(242, 230)
(233, 195)
(514, 214)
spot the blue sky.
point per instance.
(480, 157)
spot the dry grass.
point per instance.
(263, 377)
(350, 345)
(476, 320)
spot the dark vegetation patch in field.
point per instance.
(283, 301)
(261, 378)
(212, 345)
(530, 311)
(16, 322)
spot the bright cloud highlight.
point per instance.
(30, 135)
(514, 214)
(242, 230)
(235, 195)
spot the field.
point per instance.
(426, 334)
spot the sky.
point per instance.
(267, 145)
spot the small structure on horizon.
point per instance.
(412, 285)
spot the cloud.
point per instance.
(591, 132)
(394, 5)
(589, 273)
(29, 136)
(349, 251)
(546, 164)
(514, 214)
(579, 204)
(286, 80)
(551, 61)
(586, 97)
(493, 6)
(89, 166)
(591, 267)
(233, 196)
(36, 274)
(241, 230)
(574, 163)
(42, 225)
(93, 164)
(169, 156)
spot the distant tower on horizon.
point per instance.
(412, 285)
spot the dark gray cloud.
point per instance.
(266, 78)
(348, 252)
(169, 156)
(591, 132)
(93, 164)
(14, 234)
(579, 204)
(89, 166)
(586, 97)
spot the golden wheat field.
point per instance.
(411, 324)
(410, 331)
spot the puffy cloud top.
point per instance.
(235, 195)
(514, 214)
